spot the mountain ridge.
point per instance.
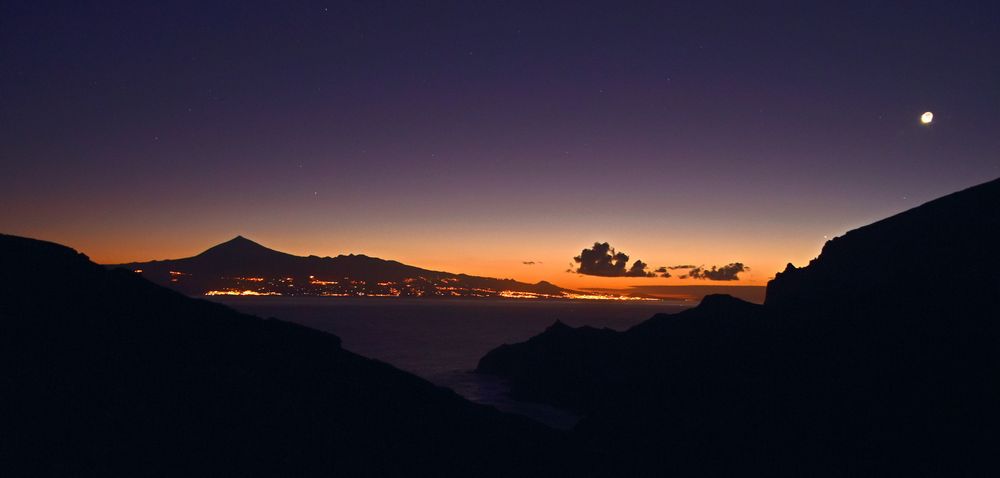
(902, 245)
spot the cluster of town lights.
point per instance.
(442, 290)
(506, 294)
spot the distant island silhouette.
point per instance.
(879, 358)
(243, 267)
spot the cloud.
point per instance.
(530, 263)
(726, 272)
(685, 266)
(602, 260)
(638, 269)
(662, 271)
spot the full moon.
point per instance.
(927, 117)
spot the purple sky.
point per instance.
(474, 136)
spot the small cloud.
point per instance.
(673, 268)
(726, 272)
(602, 260)
(530, 263)
(662, 271)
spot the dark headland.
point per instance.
(879, 358)
(107, 374)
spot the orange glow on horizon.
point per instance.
(505, 259)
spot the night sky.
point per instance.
(476, 136)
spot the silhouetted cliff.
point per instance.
(107, 374)
(944, 249)
(879, 358)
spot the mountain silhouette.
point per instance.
(107, 374)
(232, 254)
(242, 264)
(878, 358)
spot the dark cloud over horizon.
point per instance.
(663, 272)
(602, 260)
(723, 273)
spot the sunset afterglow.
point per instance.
(500, 238)
(502, 155)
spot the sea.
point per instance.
(442, 340)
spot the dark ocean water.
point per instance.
(443, 340)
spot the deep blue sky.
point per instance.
(474, 136)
